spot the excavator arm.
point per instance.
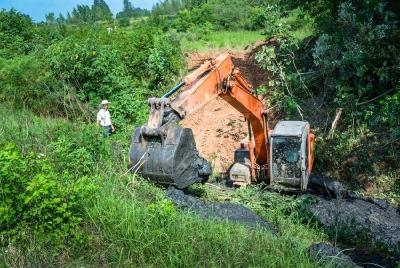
(220, 78)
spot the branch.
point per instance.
(334, 123)
(371, 100)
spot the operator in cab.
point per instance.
(104, 119)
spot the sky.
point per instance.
(38, 8)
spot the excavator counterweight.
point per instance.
(166, 153)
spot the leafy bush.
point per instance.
(359, 62)
(109, 66)
(258, 18)
(230, 14)
(38, 201)
(194, 18)
(222, 15)
(279, 59)
(29, 74)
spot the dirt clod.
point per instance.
(327, 186)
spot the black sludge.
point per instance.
(221, 211)
(355, 220)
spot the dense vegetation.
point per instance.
(348, 61)
(66, 197)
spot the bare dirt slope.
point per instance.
(218, 128)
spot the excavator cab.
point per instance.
(290, 154)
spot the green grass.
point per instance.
(129, 222)
(138, 227)
(221, 40)
(302, 24)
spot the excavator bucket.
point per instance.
(164, 152)
(169, 160)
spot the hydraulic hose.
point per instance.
(175, 89)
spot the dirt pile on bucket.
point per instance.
(220, 211)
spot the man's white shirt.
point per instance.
(104, 117)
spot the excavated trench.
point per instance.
(370, 226)
(220, 211)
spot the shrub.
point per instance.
(21, 80)
(230, 14)
(111, 66)
(38, 201)
(258, 18)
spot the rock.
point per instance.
(221, 211)
(383, 204)
(327, 186)
(328, 255)
(355, 216)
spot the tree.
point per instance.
(61, 19)
(168, 7)
(17, 33)
(50, 18)
(69, 18)
(128, 7)
(101, 11)
(127, 12)
(190, 4)
(82, 14)
(130, 11)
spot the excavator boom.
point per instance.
(220, 78)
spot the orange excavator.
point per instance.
(166, 153)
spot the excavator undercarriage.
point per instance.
(166, 153)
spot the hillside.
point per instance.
(67, 198)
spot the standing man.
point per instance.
(104, 119)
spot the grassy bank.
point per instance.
(230, 40)
(128, 222)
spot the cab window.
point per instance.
(286, 157)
